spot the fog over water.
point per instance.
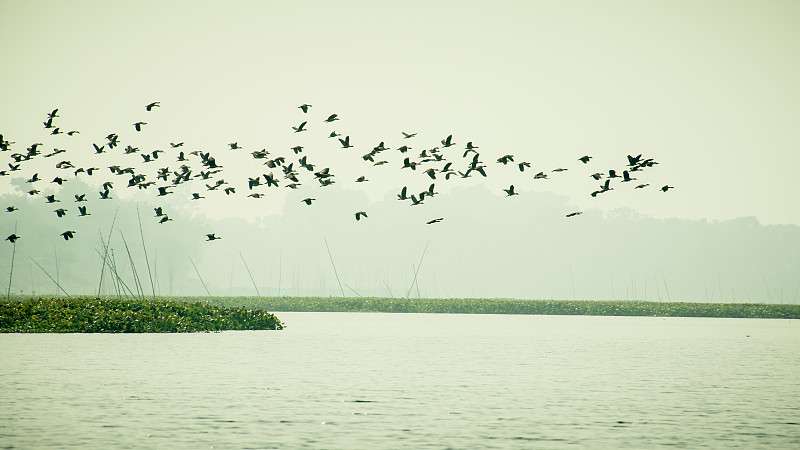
(487, 246)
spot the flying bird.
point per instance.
(573, 214)
(434, 221)
(304, 107)
(332, 117)
(138, 125)
(584, 159)
(212, 237)
(150, 106)
(360, 214)
(300, 127)
(68, 235)
(12, 238)
(510, 191)
(308, 200)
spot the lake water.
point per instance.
(361, 380)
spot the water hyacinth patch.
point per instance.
(85, 315)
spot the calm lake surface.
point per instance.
(363, 380)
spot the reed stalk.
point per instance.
(11, 272)
(416, 271)
(146, 260)
(251, 275)
(198, 276)
(105, 252)
(51, 278)
(334, 268)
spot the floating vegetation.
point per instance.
(511, 306)
(84, 315)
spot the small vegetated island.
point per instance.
(88, 315)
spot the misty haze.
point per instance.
(414, 224)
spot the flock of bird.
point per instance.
(203, 173)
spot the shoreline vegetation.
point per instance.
(23, 314)
(511, 306)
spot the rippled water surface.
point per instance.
(357, 380)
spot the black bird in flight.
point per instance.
(360, 214)
(104, 195)
(300, 127)
(68, 235)
(584, 159)
(402, 195)
(665, 188)
(626, 176)
(212, 237)
(138, 125)
(345, 142)
(304, 107)
(153, 105)
(434, 221)
(60, 212)
(12, 238)
(332, 117)
(408, 135)
(83, 212)
(573, 214)
(165, 219)
(510, 191)
(51, 198)
(159, 211)
(448, 141)
(308, 200)
(12, 209)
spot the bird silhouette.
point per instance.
(212, 237)
(150, 106)
(304, 107)
(434, 221)
(60, 212)
(51, 198)
(626, 176)
(308, 200)
(82, 210)
(12, 209)
(139, 125)
(573, 214)
(12, 238)
(345, 142)
(300, 127)
(510, 191)
(332, 117)
(360, 214)
(585, 159)
(665, 188)
(448, 141)
(408, 135)
(68, 235)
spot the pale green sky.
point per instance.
(707, 88)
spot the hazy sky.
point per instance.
(709, 89)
